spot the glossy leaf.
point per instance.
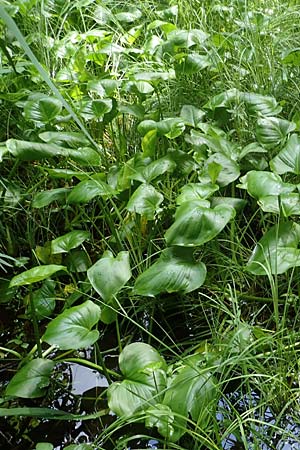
(191, 115)
(65, 243)
(108, 275)
(196, 191)
(229, 169)
(44, 109)
(36, 274)
(154, 169)
(145, 378)
(288, 159)
(32, 380)
(261, 184)
(261, 104)
(44, 299)
(277, 251)
(86, 190)
(72, 329)
(193, 63)
(195, 225)
(145, 201)
(272, 131)
(285, 204)
(44, 198)
(175, 271)
(72, 138)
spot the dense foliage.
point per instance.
(149, 161)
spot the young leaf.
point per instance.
(175, 271)
(65, 243)
(277, 251)
(145, 201)
(72, 329)
(194, 224)
(109, 274)
(31, 380)
(36, 274)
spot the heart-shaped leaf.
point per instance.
(196, 191)
(261, 104)
(191, 115)
(194, 224)
(193, 63)
(72, 329)
(86, 190)
(36, 274)
(272, 131)
(175, 271)
(154, 169)
(145, 378)
(145, 201)
(32, 379)
(109, 274)
(288, 159)
(44, 109)
(277, 251)
(65, 243)
(285, 204)
(260, 184)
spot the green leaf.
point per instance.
(95, 109)
(292, 57)
(48, 413)
(187, 38)
(154, 169)
(285, 204)
(36, 274)
(44, 198)
(175, 271)
(272, 131)
(229, 169)
(149, 143)
(277, 251)
(44, 299)
(195, 225)
(44, 446)
(191, 115)
(223, 99)
(65, 243)
(109, 274)
(288, 159)
(129, 16)
(72, 329)
(44, 109)
(193, 63)
(261, 184)
(196, 191)
(145, 373)
(72, 138)
(261, 104)
(145, 201)
(86, 190)
(32, 380)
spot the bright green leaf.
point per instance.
(145, 201)
(288, 159)
(261, 184)
(44, 198)
(86, 190)
(272, 131)
(44, 109)
(36, 274)
(65, 243)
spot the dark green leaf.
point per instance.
(44, 109)
(65, 243)
(44, 198)
(261, 184)
(272, 131)
(145, 201)
(86, 190)
(36, 274)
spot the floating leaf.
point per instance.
(32, 380)
(65, 243)
(277, 251)
(288, 159)
(36, 274)
(72, 329)
(194, 224)
(145, 201)
(272, 131)
(144, 370)
(109, 274)
(175, 271)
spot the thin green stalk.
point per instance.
(35, 325)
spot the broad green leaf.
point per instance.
(72, 329)
(251, 148)
(44, 446)
(223, 99)
(175, 271)
(261, 184)
(131, 15)
(154, 169)
(42, 110)
(32, 380)
(65, 243)
(3, 151)
(66, 174)
(193, 63)
(277, 251)
(72, 138)
(285, 204)
(145, 201)
(86, 190)
(149, 143)
(95, 109)
(292, 57)
(272, 131)
(134, 110)
(44, 299)
(161, 417)
(145, 378)
(229, 169)
(77, 261)
(44, 198)
(170, 127)
(261, 104)
(36, 274)
(108, 275)
(195, 225)
(288, 159)
(191, 115)
(196, 191)
(187, 38)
